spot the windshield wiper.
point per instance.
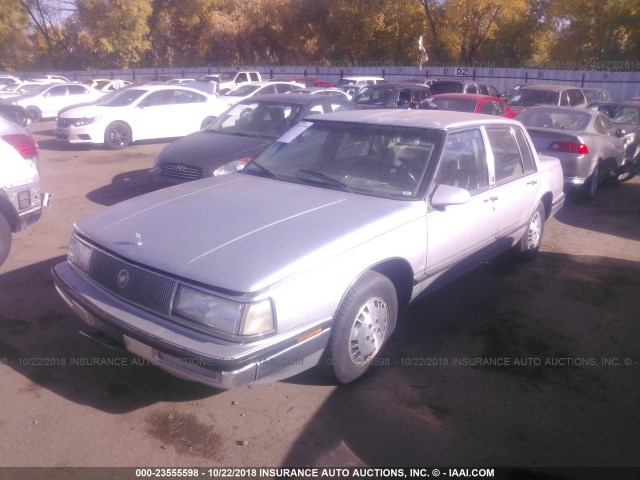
(327, 179)
(263, 170)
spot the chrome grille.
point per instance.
(142, 287)
(180, 170)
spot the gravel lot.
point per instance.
(525, 365)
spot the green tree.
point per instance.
(14, 41)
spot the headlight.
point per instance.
(227, 316)
(234, 166)
(85, 121)
(79, 254)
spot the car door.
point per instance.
(156, 117)
(613, 145)
(515, 182)
(53, 100)
(461, 235)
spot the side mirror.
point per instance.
(446, 195)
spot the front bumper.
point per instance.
(185, 353)
(84, 134)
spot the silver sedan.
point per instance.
(587, 143)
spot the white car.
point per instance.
(136, 113)
(47, 101)
(250, 89)
(20, 89)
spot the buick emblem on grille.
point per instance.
(123, 278)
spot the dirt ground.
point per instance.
(526, 365)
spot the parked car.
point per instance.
(308, 255)
(331, 92)
(308, 82)
(626, 117)
(20, 197)
(9, 80)
(597, 95)
(180, 81)
(136, 113)
(49, 79)
(468, 102)
(543, 94)
(23, 88)
(359, 80)
(106, 85)
(229, 80)
(391, 95)
(587, 143)
(421, 81)
(47, 101)
(237, 136)
(15, 113)
(463, 86)
(251, 89)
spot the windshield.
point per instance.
(32, 89)
(552, 118)
(121, 98)
(528, 97)
(625, 114)
(256, 119)
(378, 160)
(242, 91)
(455, 104)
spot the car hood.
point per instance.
(243, 233)
(210, 150)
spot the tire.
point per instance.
(117, 135)
(590, 187)
(34, 113)
(532, 239)
(363, 323)
(628, 171)
(5, 239)
(205, 123)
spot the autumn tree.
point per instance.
(116, 32)
(14, 41)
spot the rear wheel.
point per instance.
(591, 185)
(363, 323)
(532, 238)
(34, 113)
(5, 239)
(117, 135)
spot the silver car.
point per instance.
(306, 257)
(587, 142)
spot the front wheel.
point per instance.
(5, 239)
(33, 113)
(532, 238)
(117, 135)
(363, 323)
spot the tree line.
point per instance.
(117, 34)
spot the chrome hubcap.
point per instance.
(535, 229)
(368, 330)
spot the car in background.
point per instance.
(237, 136)
(586, 142)
(468, 102)
(49, 79)
(421, 81)
(597, 95)
(20, 198)
(626, 116)
(18, 89)
(136, 113)
(180, 81)
(391, 95)
(463, 86)
(544, 94)
(359, 80)
(250, 89)
(308, 82)
(328, 91)
(307, 256)
(106, 85)
(9, 80)
(48, 100)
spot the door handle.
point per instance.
(532, 182)
(491, 199)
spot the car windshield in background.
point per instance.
(256, 119)
(530, 97)
(243, 90)
(32, 89)
(121, 98)
(454, 104)
(548, 118)
(373, 96)
(377, 160)
(624, 114)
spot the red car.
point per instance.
(468, 102)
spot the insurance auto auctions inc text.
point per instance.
(375, 472)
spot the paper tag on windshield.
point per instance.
(296, 130)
